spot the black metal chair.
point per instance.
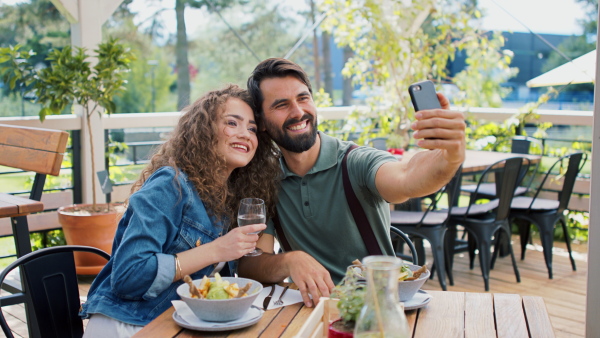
(545, 213)
(519, 145)
(431, 225)
(399, 238)
(51, 285)
(486, 223)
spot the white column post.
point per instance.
(592, 325)
(86, 18)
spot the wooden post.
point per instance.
(86, 18)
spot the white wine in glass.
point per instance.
(252, 211)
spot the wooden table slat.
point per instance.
(162, 326)
(510, 319)
(281, 322)
(479, 315)
(298, 321)
(443, 316)
(11, 205)
(537, 317)
(7, 209)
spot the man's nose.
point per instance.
(296, 111)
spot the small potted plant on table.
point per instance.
(350, 293)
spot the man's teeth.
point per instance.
(299, 126)
(240, 146)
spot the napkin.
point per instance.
(184, 311)
(290, 297)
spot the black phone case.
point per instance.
(423, 96)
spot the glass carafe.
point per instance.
(382, 315)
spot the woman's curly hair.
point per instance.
(192, 148)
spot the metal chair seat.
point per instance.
(524, 203)
(412, 217)
(475, 209)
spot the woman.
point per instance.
(180, 210)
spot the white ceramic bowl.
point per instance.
(408, 288)
(220, 310)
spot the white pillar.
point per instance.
(86, 18)
(592, 325)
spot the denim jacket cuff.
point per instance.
(164, 275)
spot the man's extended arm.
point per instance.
(442, 131)
(308, 274)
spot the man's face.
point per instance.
(290, 113)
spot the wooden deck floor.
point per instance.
(564, 295)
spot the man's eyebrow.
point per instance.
(239, 117)
(277, 102)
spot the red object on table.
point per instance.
(396, 151)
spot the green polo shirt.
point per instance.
(314, 212)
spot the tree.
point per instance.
(71, 79)
(181, 48)
(37, 26)
(271, 31)
(148, 83)
(396, 44)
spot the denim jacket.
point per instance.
(162, 219)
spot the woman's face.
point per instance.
(237, 140)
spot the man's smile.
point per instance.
(298, 126)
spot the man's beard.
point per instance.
(297, 143)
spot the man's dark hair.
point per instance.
(271, 68)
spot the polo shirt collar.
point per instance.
(327, 156)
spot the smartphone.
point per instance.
(423, 95)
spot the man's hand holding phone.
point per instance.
(437, 127)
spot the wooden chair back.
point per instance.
(32, 149)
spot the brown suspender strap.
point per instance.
(280, 235)
(360, 218)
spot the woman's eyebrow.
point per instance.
(239, 117)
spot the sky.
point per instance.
(541, 16)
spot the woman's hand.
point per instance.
(237, 242)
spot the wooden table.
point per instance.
(479, 160)
(14, 207)
(449, 314)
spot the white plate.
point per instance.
(255, 313)
(420, 299)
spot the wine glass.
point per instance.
(252, 211)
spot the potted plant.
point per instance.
(350, 293)
(71, 79)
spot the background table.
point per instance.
(449, 314)
(478, 160)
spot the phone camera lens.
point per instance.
(417, 88)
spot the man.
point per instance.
(312, 208)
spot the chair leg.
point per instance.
(497, 247)
(546, 236)
(507, 231)
(437, 250)
(418, 242)
(568, 241)
(484, 260)
(450, 242)
(524, 234)
(472, 247)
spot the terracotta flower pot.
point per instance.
(337, 329)
(84, 227)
